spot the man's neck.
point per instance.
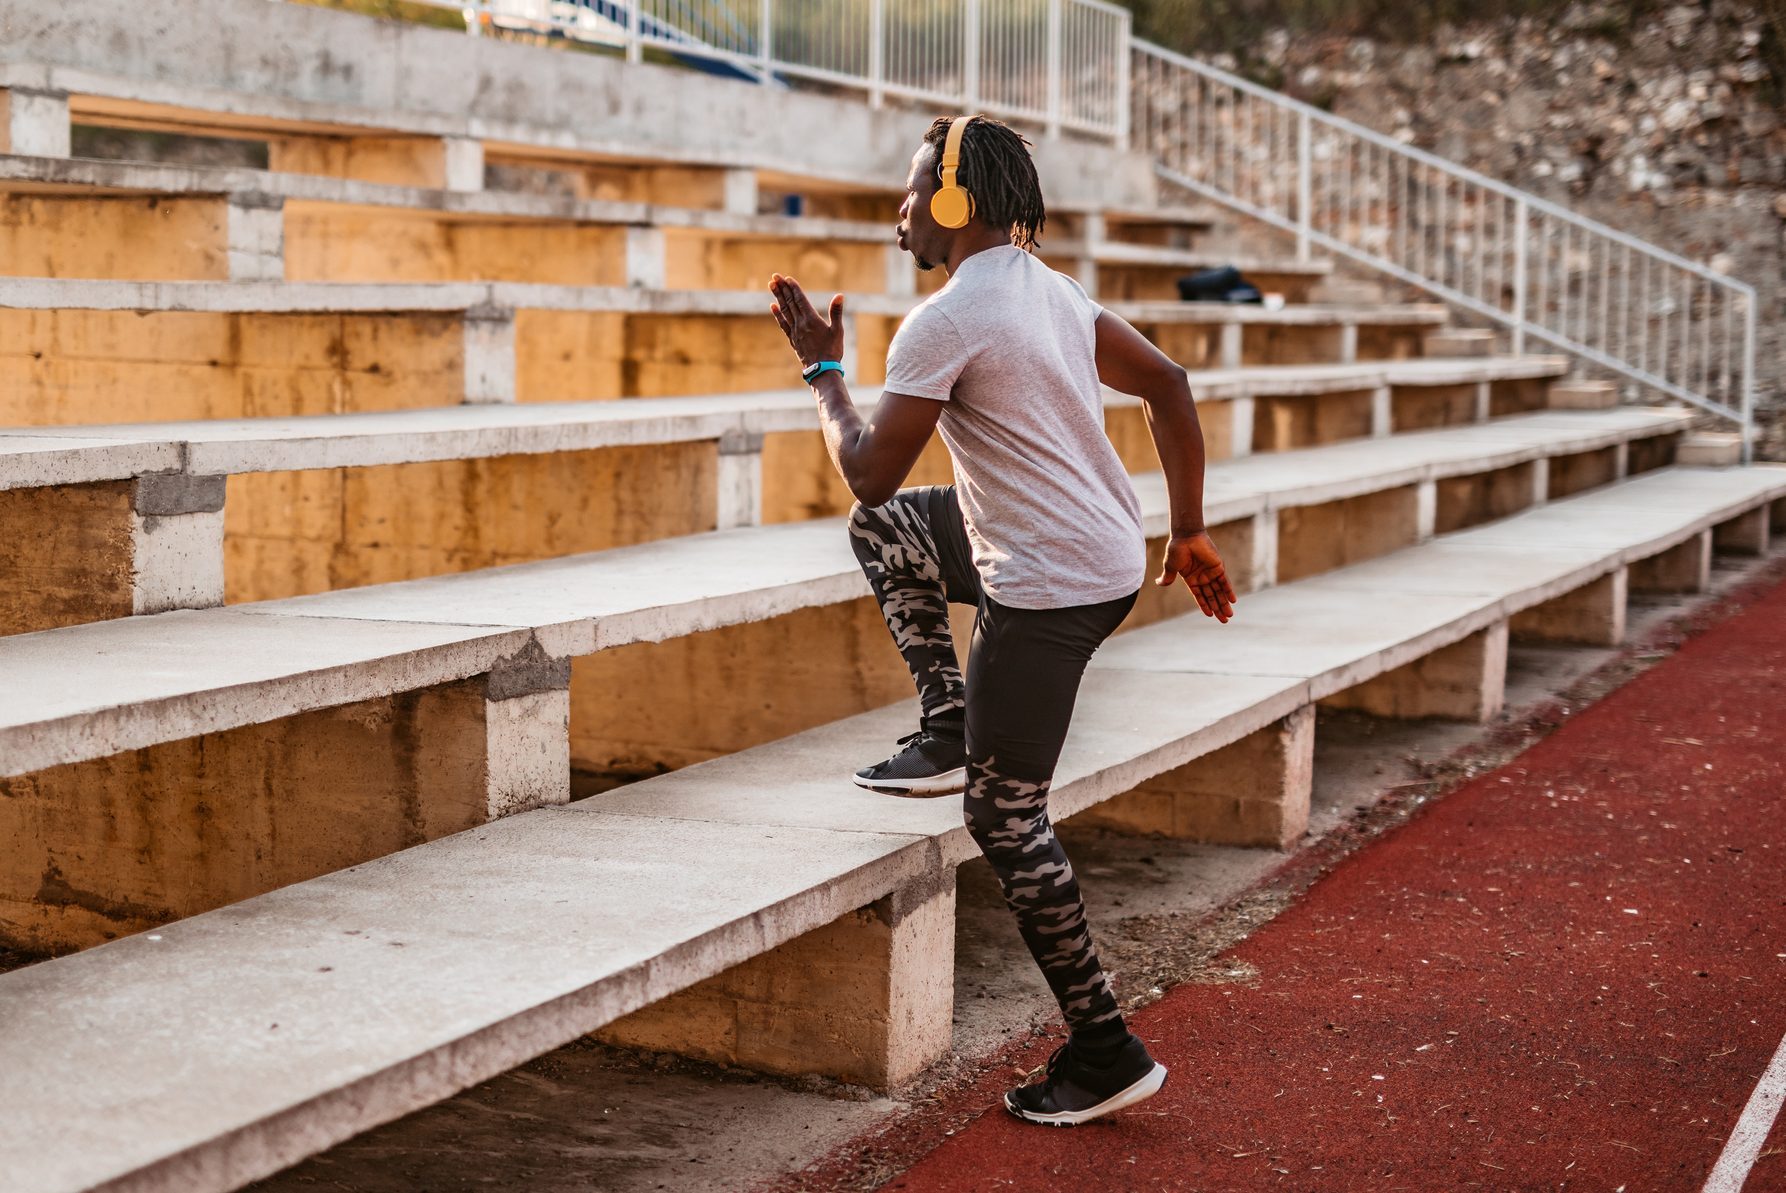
(991, 238)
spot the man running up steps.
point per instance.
(1041, 533)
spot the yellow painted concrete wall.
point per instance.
(330, 243)
(77, 366)
(1286, 422)
(399, 161)
(621, 182)
(799, 481)
(1318, 538)
(113, 236)
(696, 260)
(1127, 428)
(1191, 345)
(105, 848)
(1463, 501)
(289, 533)
(1418, 407)
(570, 355)
(642, 709)
(65, 555)
(1388, 343)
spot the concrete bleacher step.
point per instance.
(32, 456)
(1460, 341)
(1115, 271)
(504, 665)
(76, 351)
(73, 218)
(428, 492)
(222, 1047)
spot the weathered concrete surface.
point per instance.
(128, 842)
(1317, 631)
(1684, 567)
(1749, 534)
(1584, 395)
(388, 76)
(83, 177)
(1130, 726)
(868, 998)
(642, 593)
(1319, 538)
(1593, 615)
(68, 555)
(1464, 681)
(62, 367)
(1253, 792)
(200, 671)
(1711, 449)
(345, 533)
(113, 236)
(1650, 512)
(50, 294)
(32, 460)
(291, 533)
(74, 454)
(647, 592)
(564, 904)
(33, 120)
(176, 561)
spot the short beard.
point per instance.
(924, 265)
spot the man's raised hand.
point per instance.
(1194, 557)
(812, 336)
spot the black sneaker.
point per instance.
(933, 762)
(1074, 1091)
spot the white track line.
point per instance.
(1757, 1119)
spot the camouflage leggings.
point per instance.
(1023, 672)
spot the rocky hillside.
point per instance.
(1668, 125)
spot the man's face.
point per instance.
(918, 233)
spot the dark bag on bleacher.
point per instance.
(1223, 284)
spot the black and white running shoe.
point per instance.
(1074, 1091)
(933, 762)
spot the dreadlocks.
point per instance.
(997, 170)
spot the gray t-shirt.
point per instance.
(1008, 344)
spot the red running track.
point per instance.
(1568, 974)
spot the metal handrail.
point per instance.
(1060, 63)
(1552, 275)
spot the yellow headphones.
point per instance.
(952, 206)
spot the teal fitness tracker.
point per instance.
(812, 371)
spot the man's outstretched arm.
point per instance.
(873, 457)
(1129, 362)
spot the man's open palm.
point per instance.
(1195, 558)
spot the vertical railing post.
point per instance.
(970, 55)
(1305, 184)
(1519, 276)
(877, 52)
(1748, 456)
(765, 51)
(474, 22)
(1125, 55)
(634, 42)
(1054, 70)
